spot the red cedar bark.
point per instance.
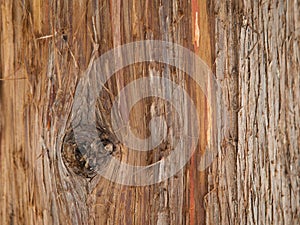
(253, 48)
(256, 176)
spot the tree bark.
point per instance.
(251, 47)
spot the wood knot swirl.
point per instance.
(88, 156)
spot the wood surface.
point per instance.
(252, 47)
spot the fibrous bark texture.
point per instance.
(256, 177)
(252, 47)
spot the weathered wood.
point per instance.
(256, 176)
(253, 49)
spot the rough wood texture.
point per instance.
(253, 48)
(256, 177)
(49, 45)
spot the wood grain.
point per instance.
(253, 50)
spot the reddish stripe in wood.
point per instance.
(192, 165)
